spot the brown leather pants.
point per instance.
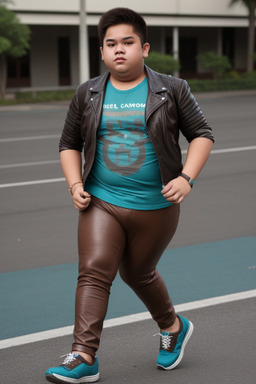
(112, 238)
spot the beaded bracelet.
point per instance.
(72, 186)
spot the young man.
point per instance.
(133, 182)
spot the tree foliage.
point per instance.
(14, 41)
(14, 35)
(217, 64)
(162, 63)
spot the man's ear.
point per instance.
(146, 48)
(102, 55)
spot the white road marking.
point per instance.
(29, 164)
(228, 150)
(33, 182)
(123, 320)
(48, 162)
(42, 137)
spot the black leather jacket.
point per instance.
(170, 108)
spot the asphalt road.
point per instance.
(218, 221)
(35, 217)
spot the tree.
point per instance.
(14, 41)
(251, 5)
(217, 64)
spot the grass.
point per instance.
(39, 97)
(222, 85)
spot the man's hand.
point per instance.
(81, 198)
(176, 190)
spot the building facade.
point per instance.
(184, 28)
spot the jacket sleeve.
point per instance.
(192, 122)
(71, 134)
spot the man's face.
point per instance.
(122, 51)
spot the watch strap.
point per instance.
(189, 180)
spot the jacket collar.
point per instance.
(99, 83)
(154, 81)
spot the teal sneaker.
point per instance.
(74, 370)
(172, 345)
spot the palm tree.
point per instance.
(251, 5)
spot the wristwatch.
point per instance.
(190, 181)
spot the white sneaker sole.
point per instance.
(69, 380)
(187, 337)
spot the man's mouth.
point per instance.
(119, 59)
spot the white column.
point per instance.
(175, 43)
(83, 45)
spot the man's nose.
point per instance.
(120, 48)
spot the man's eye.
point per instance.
(128, 43)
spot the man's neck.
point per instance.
(124, 85)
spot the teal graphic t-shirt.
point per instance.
(126, 171)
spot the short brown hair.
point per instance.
(121, 15)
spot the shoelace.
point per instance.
(165, 340)
(69, 357)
